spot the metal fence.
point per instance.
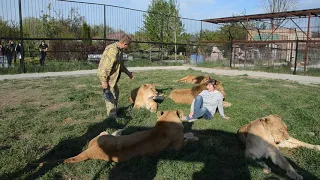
(61, 24)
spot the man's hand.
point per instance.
(131, 76)
(104, 85)
(108, 95)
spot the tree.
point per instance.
(274, 6)
(162, 22)
(9, 28)
(86, 34)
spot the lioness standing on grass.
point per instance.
(110, 67)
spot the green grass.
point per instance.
(51, 118)
(58, 66)
(50, 66)
(271, 69)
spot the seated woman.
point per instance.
(206, 103)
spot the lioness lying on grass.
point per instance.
(143, 97)
(186, 96)
(264, 136)
(194, 79)
(167, 133)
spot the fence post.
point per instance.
(22, 63)
(105, 24)
(231, 52)
(295, 59)
(161, 36)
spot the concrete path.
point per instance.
(256, 74)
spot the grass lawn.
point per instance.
(270, 69)
(58, 66)
(52, 118)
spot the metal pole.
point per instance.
(231, 53)
(105, 24)
(22, 63)
(175, 40)
(295, 60)
(175, 34)
(306, 52)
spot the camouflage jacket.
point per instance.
(111, 65)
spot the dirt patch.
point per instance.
(57, 106)
(67, 121)
(80, 86)
(15, 97)
(21, 137)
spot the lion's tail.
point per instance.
(80, 157)
(131, 100)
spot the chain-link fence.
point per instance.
(79, 32)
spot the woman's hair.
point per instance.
(211, 81)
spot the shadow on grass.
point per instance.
(65, 149)
(221, 153)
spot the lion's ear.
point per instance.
(268, 120)
(180, 113)
(264, 120)
(159, 114)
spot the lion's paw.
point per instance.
(267, 170)
(317, 147)
(294, 175)
(226, 104)
(117, 132)
(103, 133)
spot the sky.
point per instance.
(132, 21)
(207, 9)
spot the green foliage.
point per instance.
(147, 62)
(54, 25)
(32, 66)
(9, 28)
(178, 57)
(162, 21)
(231, 31)
(86, 34)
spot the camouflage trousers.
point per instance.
(112, 106)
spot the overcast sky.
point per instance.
(205, 9)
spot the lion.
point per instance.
(194, 79)
(264, 136)
(166, 134)
(186, 96)
(142, 97)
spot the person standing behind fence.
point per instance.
(110, 67)
(2, 53)
(43, 48)
(10, 52)
(18, 51)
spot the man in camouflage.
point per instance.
(110, 67)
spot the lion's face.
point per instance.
(277, 128)
(172, 116)
(149, 90)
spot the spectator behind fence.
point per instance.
(110, 67)
(18, 51)
(10, 52)
(2, 53)
(43, 48)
